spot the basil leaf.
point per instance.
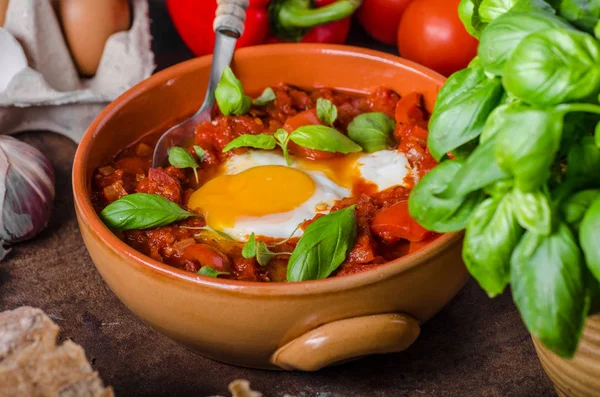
(584, 160)
(323, 246)
(492, 234)
(199, 152)
(326, 111)
(209, 272)
(553, 66)
(435, 212)
(372, 131)
(258, 141)
(249, 250)
(573, 209)
(230, 95)
(502, 36)
(267, 96)
(548, 287)
(527, 144)
(181, 158)
(263, 254)
(589, 238)
(492, 9)
(320, 137)
(597, 135)
(468, 12)
(478, 171)
(533, 211)
(142, 211)
(500, 188)
(582, 13)
(462, 107)
(282, 137)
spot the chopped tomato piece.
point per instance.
(114, 192)
(409, 110)
(208, 256)
(161, 183)
(133, 165)
(395, 223)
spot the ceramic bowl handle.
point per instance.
(347, 339)
(230, 16)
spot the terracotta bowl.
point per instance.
(306, 325)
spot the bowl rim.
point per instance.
(88, 216)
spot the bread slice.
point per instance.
(31, 364)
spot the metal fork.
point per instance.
(228, 27)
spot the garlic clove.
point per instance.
(12, 58)
(26, 191)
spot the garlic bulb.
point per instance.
(26, 191)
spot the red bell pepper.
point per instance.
(280, 20)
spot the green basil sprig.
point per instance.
(574, 208)
(554, 66)
(210, 272)
(548, 287)
(372, 131)
(201, 153)
(589, 237)
(142, 211)
(260, 250)
(323, 246)
(181, 158)
(230, 95)
(317, 137)
(582, 13)
(492, 234)
(490, 10)
(326, 111)
(468, 12)
(267, 96)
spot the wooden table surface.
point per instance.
(474, 347)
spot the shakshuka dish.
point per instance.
(294, 184)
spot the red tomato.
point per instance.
(395, 223)
(430, 33)
(381, 18)
(208, 256)
(308, 117)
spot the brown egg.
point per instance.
(3, 7)
(88, 24)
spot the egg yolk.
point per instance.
(341, 169)
(258, 191)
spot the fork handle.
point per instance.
(230, 16)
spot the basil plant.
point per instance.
(517, 137)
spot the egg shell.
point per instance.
(3, 8)
(87, 25)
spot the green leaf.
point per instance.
(323, 246)
(258, 141)
(320, 137)
(435, 212)
(582, 13)
(573, 209)
(282, 137)
(597, 135)
(249, 250)
(589, 238)
(372, 131)
(478, 171)
(199, 152)
(597, 30)
(468, 12)
(267, 96)
(217, 232)
(527, 144)
(142, 211)
(230, 95)
(500, 188)
(553, 66)
(533, 211)
(502, 36)
(548, 287)
(326, 111)
(584, 160)
(462, 107)
(181, 158)
(492, 234)
(210, 272)
(490, 10)
(263, 253)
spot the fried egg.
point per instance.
(258, 192)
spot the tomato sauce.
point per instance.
(385, 231)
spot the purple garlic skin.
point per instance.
(26, 191)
